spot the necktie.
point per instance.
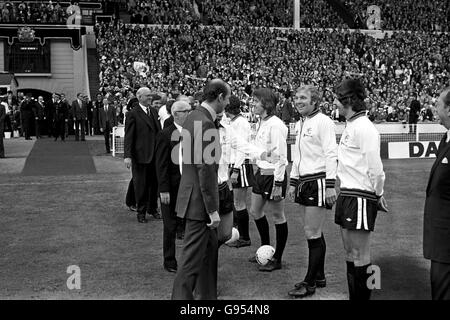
(148, 111)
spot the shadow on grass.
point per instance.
(403, 278)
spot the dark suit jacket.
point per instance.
(2, 119)
(168, 122)
(167, 150)
(198, 194)
(436, 230)
(132, 103)
(61, 111)
(109, 116)
(140, 135)
(414, 111)
(39, 111)
(78, 111)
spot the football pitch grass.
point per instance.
(48, 223)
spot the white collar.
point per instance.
(180, 128)
(210, 110)
(448, 136)
(143, 108)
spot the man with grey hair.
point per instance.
(436, 222)
(168, 165)
(141, 129)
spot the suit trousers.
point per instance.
(59, 130)
(440, 280)
(145, 187)
(80, 124)
(169, 231)
(198, 265)
(106, 133)
(130, 199)
(2, 147)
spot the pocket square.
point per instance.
(445, 161)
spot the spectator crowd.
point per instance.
(177, 60)
(32, 12)
(411, 15)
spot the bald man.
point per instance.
(169, 175)
(141, 129)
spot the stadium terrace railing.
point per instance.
(389, 132)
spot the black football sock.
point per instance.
(315, 254)
(351, 279)
(281, 234)
(236, 219)
(321, 268)
(263, 229)
(243, 227)
(362, 292)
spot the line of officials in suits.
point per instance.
(58, 117)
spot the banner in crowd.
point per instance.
(412, 150)
(141, 68)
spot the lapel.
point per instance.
(145, 117)
(442, 151)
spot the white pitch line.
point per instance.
(59, 182)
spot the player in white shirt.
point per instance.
(361, 176)
(269, 189)
(312, 182)
(241, 170)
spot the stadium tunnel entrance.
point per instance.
(36, 93)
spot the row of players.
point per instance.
(317, 162)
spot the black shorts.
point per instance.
(226, 201)
(354, 213)
(312, 193)
(264, 185)
(246, 176)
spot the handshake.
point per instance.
(270, 156)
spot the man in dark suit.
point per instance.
(2, 126)
(50, 114)
(68, 126)
(436, 230)
(198, 197)
(108, 120)
(27, 114)
(39, 116)
(141, 128)
(168, 172)
(61, 118)
(79, 116)
(414, 113)
(98, 104)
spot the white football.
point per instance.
(234, 236)
(264, 254)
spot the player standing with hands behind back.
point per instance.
(361, 174)
(313, 177)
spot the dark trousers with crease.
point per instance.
(440, 280)
(198, 265)
(169, 217)
(145, 187)
(130, 199)
(80, 128)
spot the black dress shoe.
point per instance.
(142, 220)
(155, 214)
(170, 269)
(302, 290)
